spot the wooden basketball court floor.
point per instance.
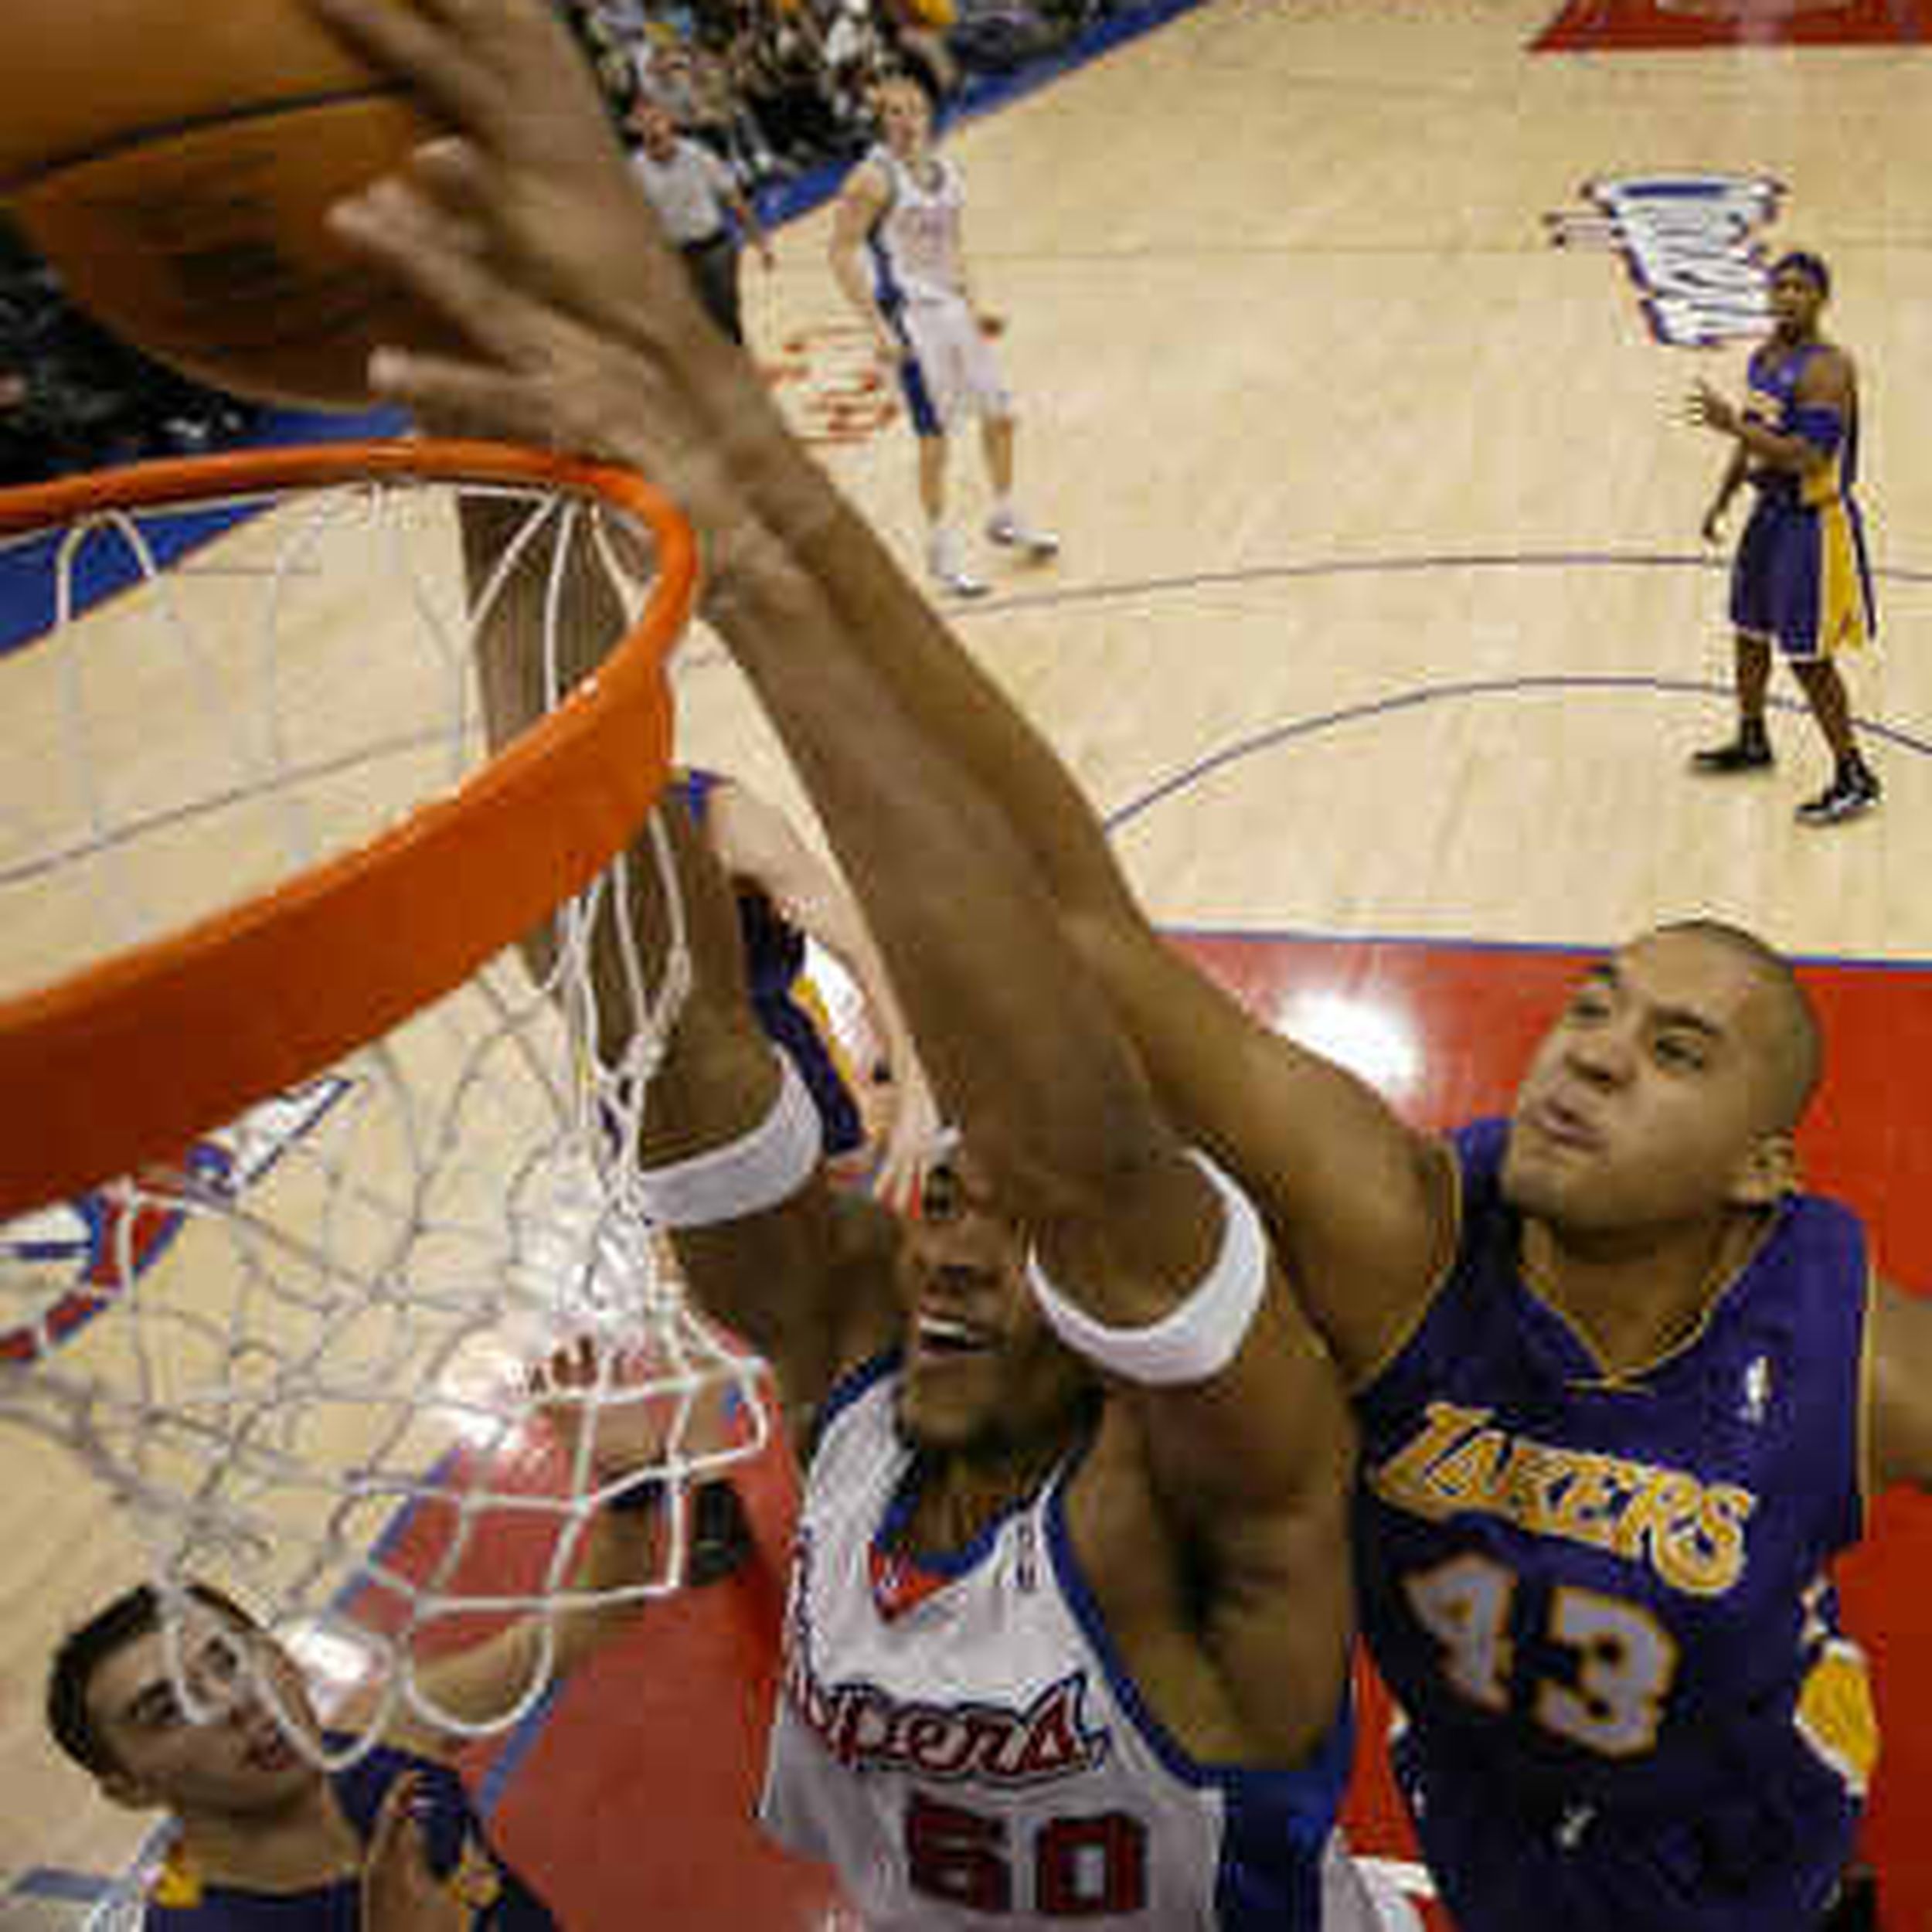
(1381, 633)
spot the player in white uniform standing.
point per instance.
(897, 252)
(1068, 1633)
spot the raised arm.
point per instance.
(1225, 1419)
(1360, 1206)
(1222, 1404)
(623, 1546)
(756, 842)
(808, 1280)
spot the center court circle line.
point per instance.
(1275, 735)
(1446, 562)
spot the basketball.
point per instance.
(175, 161)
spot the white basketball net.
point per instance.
(303, 1364)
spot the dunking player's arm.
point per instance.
(807, 1277)
(716, 441)
(805, 1280)
(1238, 1468)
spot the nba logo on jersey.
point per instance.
(1755, 1402)
(1026, 1559)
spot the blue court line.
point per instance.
(436, 1477)
(516, 1747)
(1460, 943)
(1276, 735)
(1445, 561)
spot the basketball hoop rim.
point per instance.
(276, 987)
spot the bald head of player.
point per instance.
(1667, 1093)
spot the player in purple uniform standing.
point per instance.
(1801, 577)
(1626, 1389)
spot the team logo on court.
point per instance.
(1690, 243)
(831, 385)
(85, 1252)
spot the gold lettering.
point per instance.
(1403, 1480)
(1692, 1537)
(1662, 1496)
(1586, 1511)
(1703, 1552)
(1525, 1493)
(1466, 1478)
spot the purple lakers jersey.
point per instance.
(1771, 384)
(1603, 1604)
(458, 1854)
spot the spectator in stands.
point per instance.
(779, 66)
(913, 33)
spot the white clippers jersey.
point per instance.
(979, 1758)
(915, 243)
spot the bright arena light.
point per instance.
(334, 1661)
(1367, 1036)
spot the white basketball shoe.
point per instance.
(1012, 532)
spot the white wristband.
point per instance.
(757, 1170)
(1202, 1336)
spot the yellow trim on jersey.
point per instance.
(805, 994)
(1841, 614)
(1836, 1715)
(1724, 1277)
(177, 1885)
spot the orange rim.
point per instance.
(125, 1062)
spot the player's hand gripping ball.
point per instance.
(174, 161)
